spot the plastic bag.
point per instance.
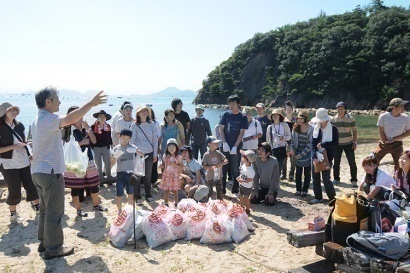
(185, 204)
(121, 229)
(178, 224)
(217, 174)
(139, 217)
(196, 225)
(238, 230)
(237, 212)
(162, 211)
(139, 168)
(216, 231)
(75, 160)
(156, 231)
(218, 206)
(114, 170)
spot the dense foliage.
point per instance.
(361, 56)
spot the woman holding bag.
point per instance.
(325, 137)
(277, 134)
(144, 136)
(83, 134)
(14, 160)
(300, 148)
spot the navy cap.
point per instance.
(341, 104)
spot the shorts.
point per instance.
(245, 192)
(123, 182)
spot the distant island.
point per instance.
(173, 92)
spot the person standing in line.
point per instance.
(394, 126)
(347, 129)
(48, 166)
(253, 133)
(15, 160)
(183, 117)
(154, 175)
(300, 149)
(266, 179)
(264, 121)
(290, 120)
(325, 136)
(144, 136)
(246, 179)
(198, 131)
(233, 125)
(101, 148)
(114, 131)
(125, 121)
(278, 133)
(84, 136)
(171, 128)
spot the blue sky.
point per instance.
(132, 46)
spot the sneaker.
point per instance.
(297, 193)
(36, 208)
(139, 202)
(41, 248)
(316, 201)
(149, 199)
(65, 251)
(100, 208)
(354, 184)
(81, 213)
(283, 177)
(335, 182)
(303, 194)
(15, 217)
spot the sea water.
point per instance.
(28, 107)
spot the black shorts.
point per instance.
(245, 192)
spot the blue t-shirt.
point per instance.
(233, 124)
(265, 122)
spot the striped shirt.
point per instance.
(346, 126)
(302, 143)
(48, 152)
(393, 126)
(147, 143)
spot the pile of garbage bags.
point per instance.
(215, 222)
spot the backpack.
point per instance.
(391, 245)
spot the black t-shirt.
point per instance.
(79, 135)
(183, 117)
(265, 122)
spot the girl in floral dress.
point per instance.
(172, 166)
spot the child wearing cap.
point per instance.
(245, 178)
(171, 169)
(125, 155)
(198, 131)
(212, 162)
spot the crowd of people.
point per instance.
(249, 152)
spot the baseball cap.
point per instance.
(247, 111)
(172, 141)
(341, 104)
(250, 155)
(186, 148)
(212, 139)
(200, 106)
(260, 105)
(201, 192)
(266, 146)
(126, 132)
(397, 101)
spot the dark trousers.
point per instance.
(263, 192)
(348, 149)
(13, 179)
(199, 148)
(292, 166)
(144, 179)
(306, 181)
(317, 186)
(394, 148)
(233, 166)
(154, 173)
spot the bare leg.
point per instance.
(119, 203)
(95, 198)
(76, 201)
(175, 196)
(130, 199)
(166, 197)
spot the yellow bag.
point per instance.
(345, 209)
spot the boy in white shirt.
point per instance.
(245, 179)
(253, 133)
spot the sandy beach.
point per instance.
(265, 250)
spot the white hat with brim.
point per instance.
(321, 115)
(6, 106)
(172, 141)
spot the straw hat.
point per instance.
(276, 111)
(321, 115)
(143, 107)
(303, 114)
(6, 106)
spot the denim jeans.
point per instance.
(144, 179)
(50, 188)
(233, 166)
(199, 148)
(348, 149)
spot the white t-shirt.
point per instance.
(247, 172)
(254, 129)
(122, 124)
(393, 126)
(382, 179)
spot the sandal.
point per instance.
(81, 213)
